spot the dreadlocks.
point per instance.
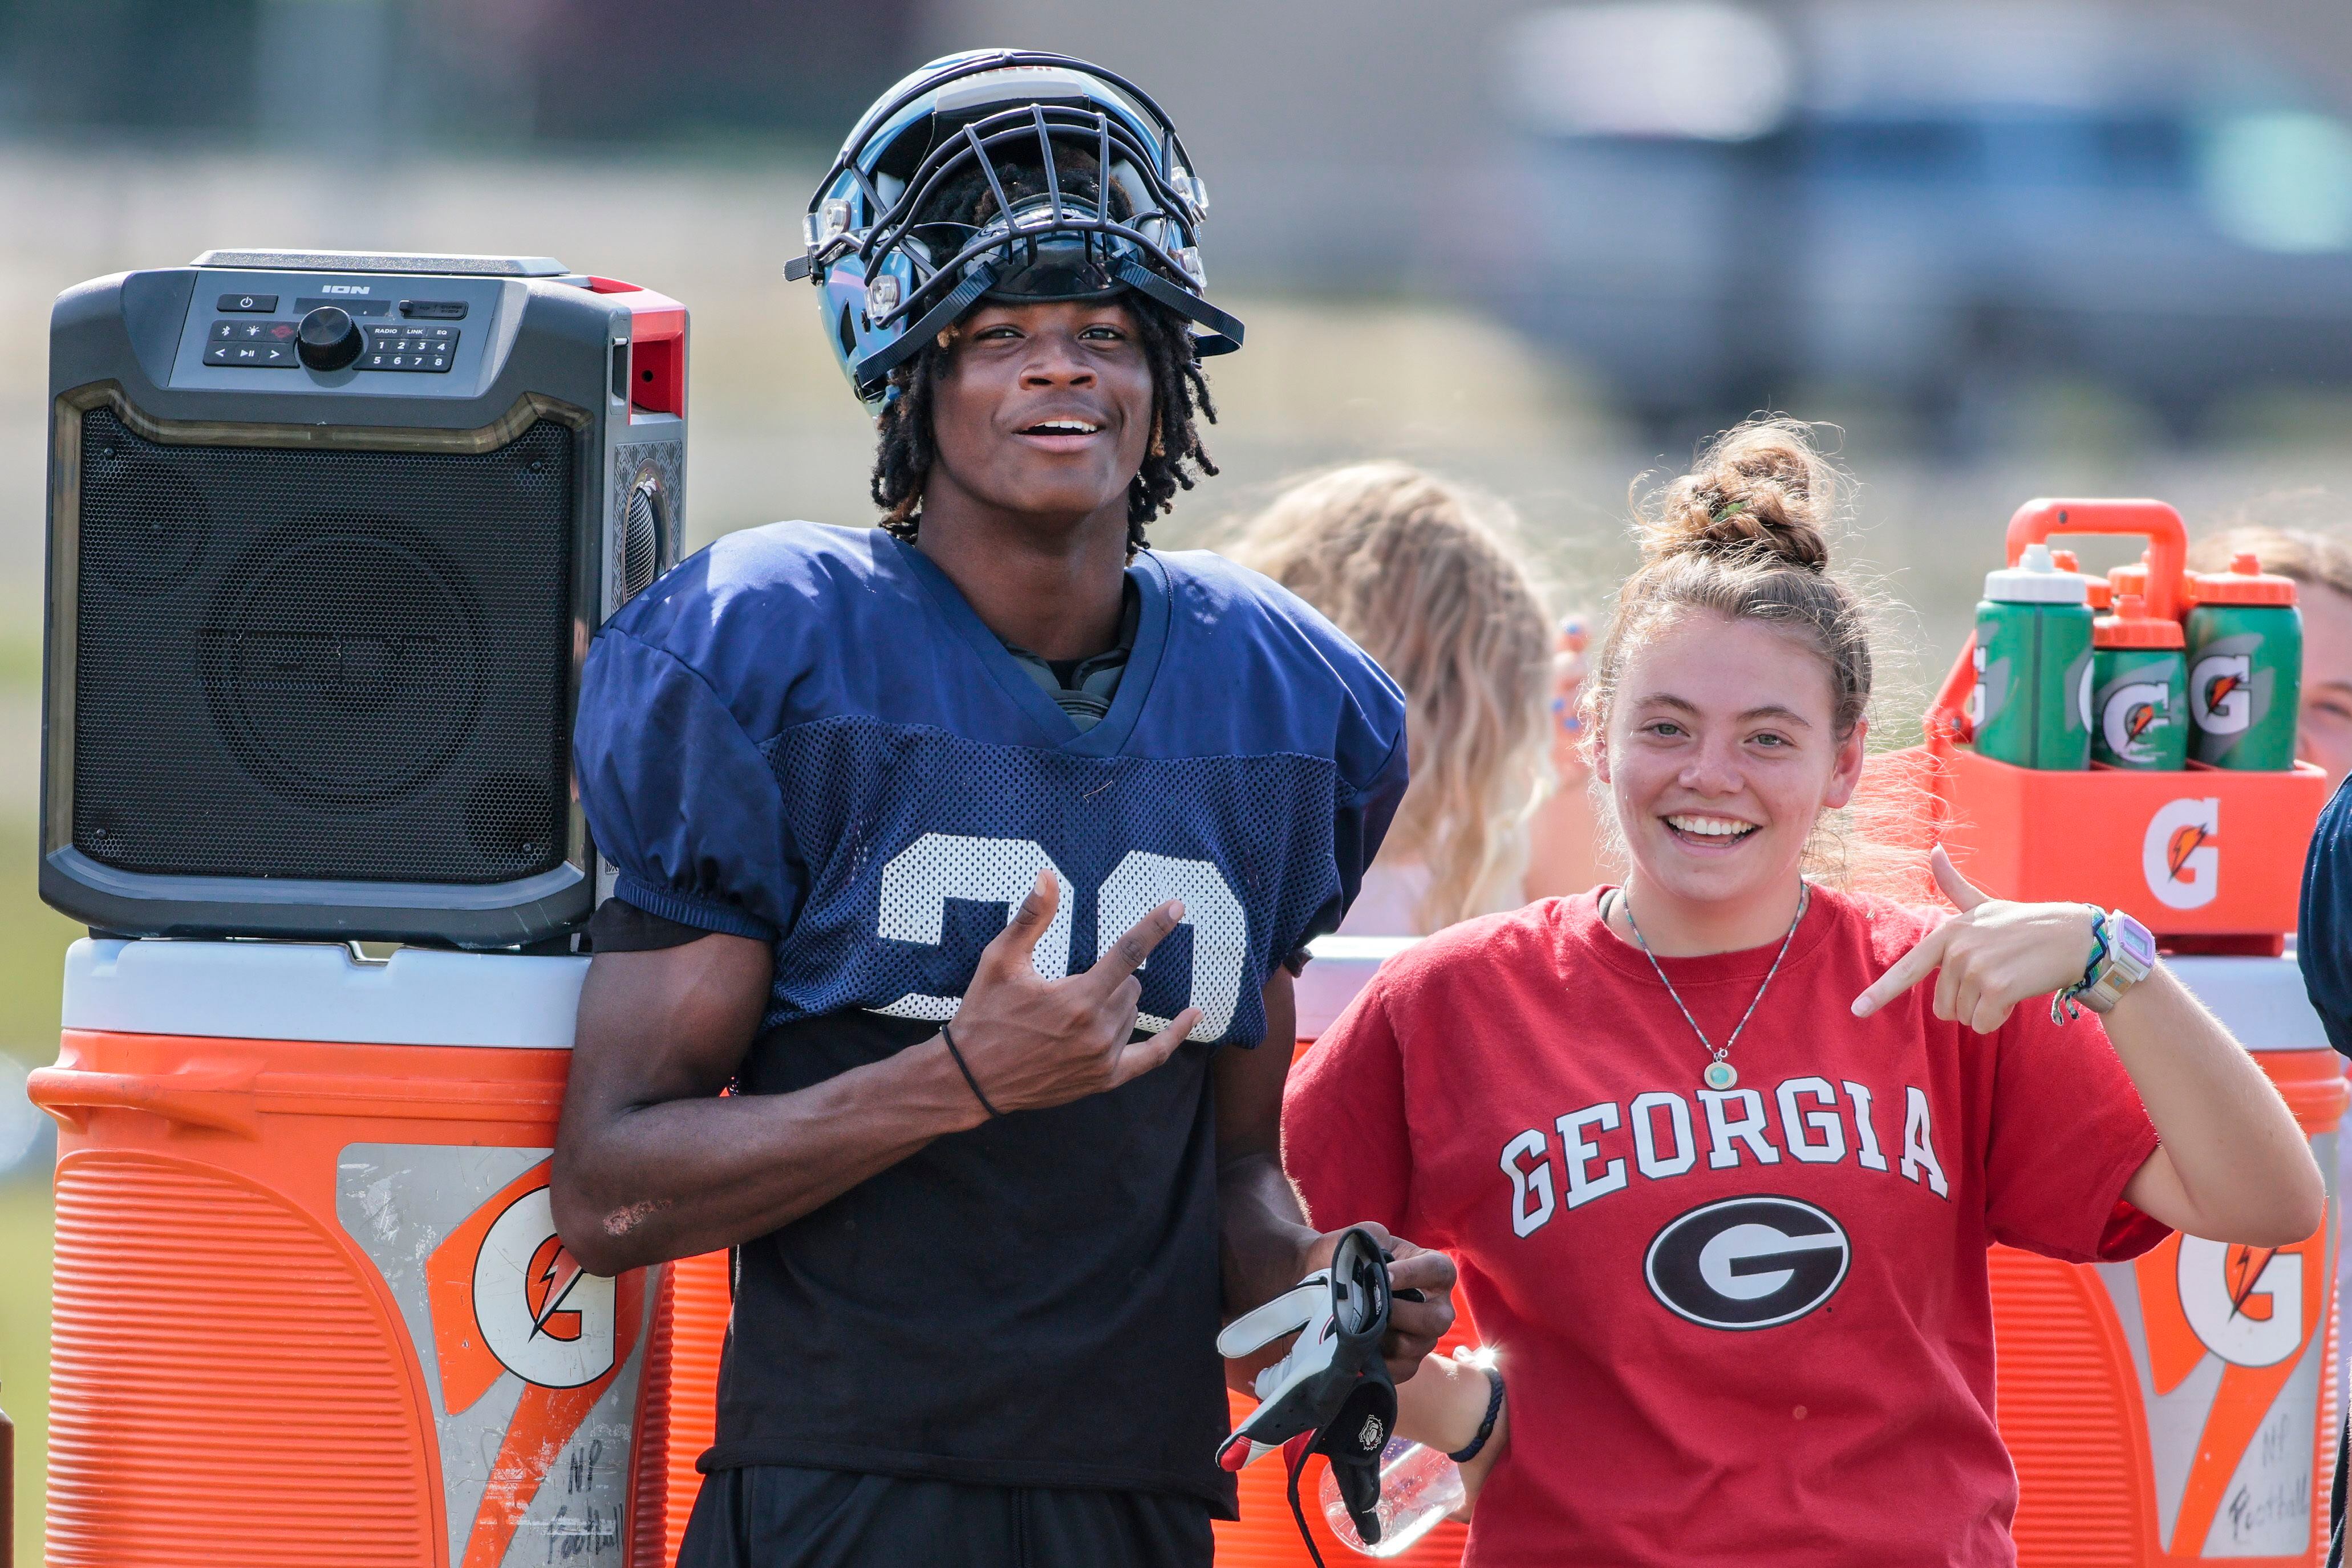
(1179, 395)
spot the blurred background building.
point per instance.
(2011, 248)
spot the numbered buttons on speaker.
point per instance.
(430, 349)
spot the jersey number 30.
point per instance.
(919, 882)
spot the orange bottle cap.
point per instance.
(2067, 561)
(2245, 583)
(2131, 626)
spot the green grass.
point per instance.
(26, 1231)
(33, 941)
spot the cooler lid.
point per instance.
(321, 991)
(1340, 968)
(2260, 1000)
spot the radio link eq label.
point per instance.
(412, 347)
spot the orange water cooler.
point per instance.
(2182, 1408)
(311, 1307)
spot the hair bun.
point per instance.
(1758, 490)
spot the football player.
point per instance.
(977, 852)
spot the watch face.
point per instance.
(2132, 939)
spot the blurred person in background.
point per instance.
(1566, 850)
(1757, 1132)
(2319, 559)
(1425, 576)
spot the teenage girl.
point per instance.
(1423, 576)
(1719, 1151)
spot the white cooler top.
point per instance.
(423, 996)
(318, 990)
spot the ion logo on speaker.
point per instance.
(1748, 1262)
(2179, 854)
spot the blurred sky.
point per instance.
(2008, 247)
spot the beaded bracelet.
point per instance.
(2064, 1008)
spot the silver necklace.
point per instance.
(1719, 1074)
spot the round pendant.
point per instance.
(1720, 1075)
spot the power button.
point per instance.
(263, 303)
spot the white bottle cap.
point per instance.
(2036, 580)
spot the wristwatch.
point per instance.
(2131, 953)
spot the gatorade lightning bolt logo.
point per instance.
(509, 1300)
(2221, 693)
(2130, 711)
(2181, 855)
(552, 1276)
(2254, 1310)
(2243, 1268)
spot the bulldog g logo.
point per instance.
(1748, 1262)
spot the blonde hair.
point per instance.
(1422, 575)
(1745, 535)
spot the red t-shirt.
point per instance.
(1751, 1326)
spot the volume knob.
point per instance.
(329, 338)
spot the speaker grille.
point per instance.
(322, 664)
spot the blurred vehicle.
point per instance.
(1935, 203)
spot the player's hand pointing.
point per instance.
(1989, 956)
(1031, 1042)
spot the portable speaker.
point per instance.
(327, 536)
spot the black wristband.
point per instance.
(992, 1112)
(1485, 1428)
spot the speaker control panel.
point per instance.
(368, 334)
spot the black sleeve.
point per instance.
(620, 926)
(2322, 941)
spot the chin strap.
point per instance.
(1294, 1458)
(873, 369)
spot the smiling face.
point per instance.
(1720, 753)
(1042, 411)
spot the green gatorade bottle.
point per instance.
(2245, 667)
(2033, 701)
(2139, 690)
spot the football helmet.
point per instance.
(1011, 174)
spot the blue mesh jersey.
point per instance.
(805, 736)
